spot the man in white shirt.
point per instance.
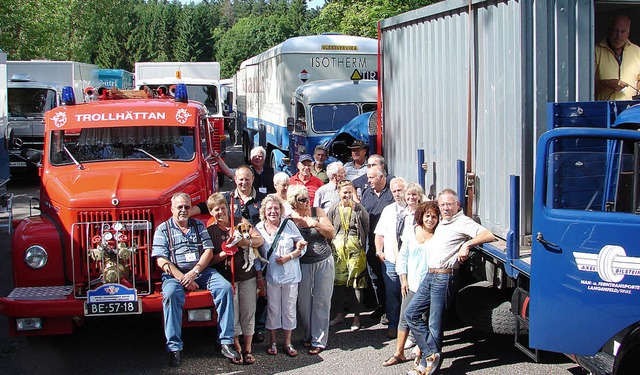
(454, 236)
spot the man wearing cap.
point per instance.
(304, 176)
(358, 166)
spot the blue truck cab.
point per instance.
(576, 287)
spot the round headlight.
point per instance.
(36, 257)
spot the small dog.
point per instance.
(250, 254)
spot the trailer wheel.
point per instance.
(486, 308)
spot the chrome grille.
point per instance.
(105, 249)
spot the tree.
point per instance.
(250, 36)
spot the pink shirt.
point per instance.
(312, 185)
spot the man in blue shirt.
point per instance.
(183, 250)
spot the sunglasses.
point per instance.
(303, 200)
(183, 207)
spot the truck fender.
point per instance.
(42, 231)
(628, 357)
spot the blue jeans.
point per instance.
(173, 296)
(392, 293)
(433, 296)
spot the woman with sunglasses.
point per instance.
(318, 272)
(283, 246)
(351, 221)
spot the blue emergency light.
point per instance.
(181, 95)
(68, 97)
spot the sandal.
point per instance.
(290, 350)
(393, 360)
(273, 349)
(419, 370)
(315, 350)
(417, 359)
(237, 360)
(248, 358)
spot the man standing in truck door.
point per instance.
(183, 250)
(448, 248)
(617, 63)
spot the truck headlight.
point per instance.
(36, 257)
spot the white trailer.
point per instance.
(35, 87)
(202, 80)
(265, 85)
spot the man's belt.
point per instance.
(448, 271)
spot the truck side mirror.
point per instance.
(290, 124)
(229, 101)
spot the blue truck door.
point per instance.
(585, 267)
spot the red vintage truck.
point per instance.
(109, 169)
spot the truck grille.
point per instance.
(107, 249)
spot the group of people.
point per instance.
(331, 238)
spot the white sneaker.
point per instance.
(409, 344)
(433, 363)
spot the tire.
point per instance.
(486, 308)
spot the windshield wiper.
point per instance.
(162, 163)
(77, 163)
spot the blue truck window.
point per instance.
(329, 118)
(593, 175)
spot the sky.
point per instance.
(314, 3)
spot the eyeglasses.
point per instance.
(183, 207)
(373, 165)
(447, 204)
(303, 200)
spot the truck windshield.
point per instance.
(26, 102)
(205, 94)
(168, 143)
(331, 117)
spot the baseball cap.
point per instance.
(305, 157)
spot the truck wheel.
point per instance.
(486, 308)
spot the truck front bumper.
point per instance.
(56, 308)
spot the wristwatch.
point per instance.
(196, 271)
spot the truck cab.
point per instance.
(28, 101)
(109, 170)
(320, 109)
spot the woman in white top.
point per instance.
(283, 271)
(412, 266)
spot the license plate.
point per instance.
(112, 299)
(112, 308)
(17, 164)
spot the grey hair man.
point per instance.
(327, 195)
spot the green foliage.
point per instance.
(118, 33)
(249, 36)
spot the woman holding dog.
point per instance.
(246, 279)
(283, 246)
(317, 267)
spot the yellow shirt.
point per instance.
(607, 68)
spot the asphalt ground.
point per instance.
(135, 344)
